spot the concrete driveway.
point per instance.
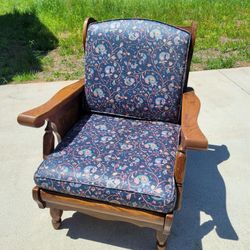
(215, 213)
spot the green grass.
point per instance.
(29, 76)
(219, 63)
(53, 46)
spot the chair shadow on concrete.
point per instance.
(24, 41)
(205, 192)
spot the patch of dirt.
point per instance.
(213, 53)
(62, 67)
(224, 39)
(197, 67)
(239, 23)
(242, 64)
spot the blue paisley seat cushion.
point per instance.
(117, 160)
(136, 68)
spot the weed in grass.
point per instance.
(196, 59)
(47, 62)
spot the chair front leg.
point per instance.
(56, 215)
(162, 236)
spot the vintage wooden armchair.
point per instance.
(124, 129)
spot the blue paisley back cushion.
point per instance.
(135, 68)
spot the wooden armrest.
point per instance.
(191, 135)
(36, 117)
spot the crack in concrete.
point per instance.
(231, 80)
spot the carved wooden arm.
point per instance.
(191, 135)
(36, 117)
(61, 112)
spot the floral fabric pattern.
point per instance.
(118, 160)
(136, 68)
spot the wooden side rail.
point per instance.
(191, 135)
(179, 173)
(99, 209)
(191, 138)
(161, 222)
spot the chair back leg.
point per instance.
(162, 236)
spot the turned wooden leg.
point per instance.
(56, 217)
(162, 236)
(161, 240)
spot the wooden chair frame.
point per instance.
(64, 109)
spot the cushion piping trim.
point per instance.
(129, 191)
